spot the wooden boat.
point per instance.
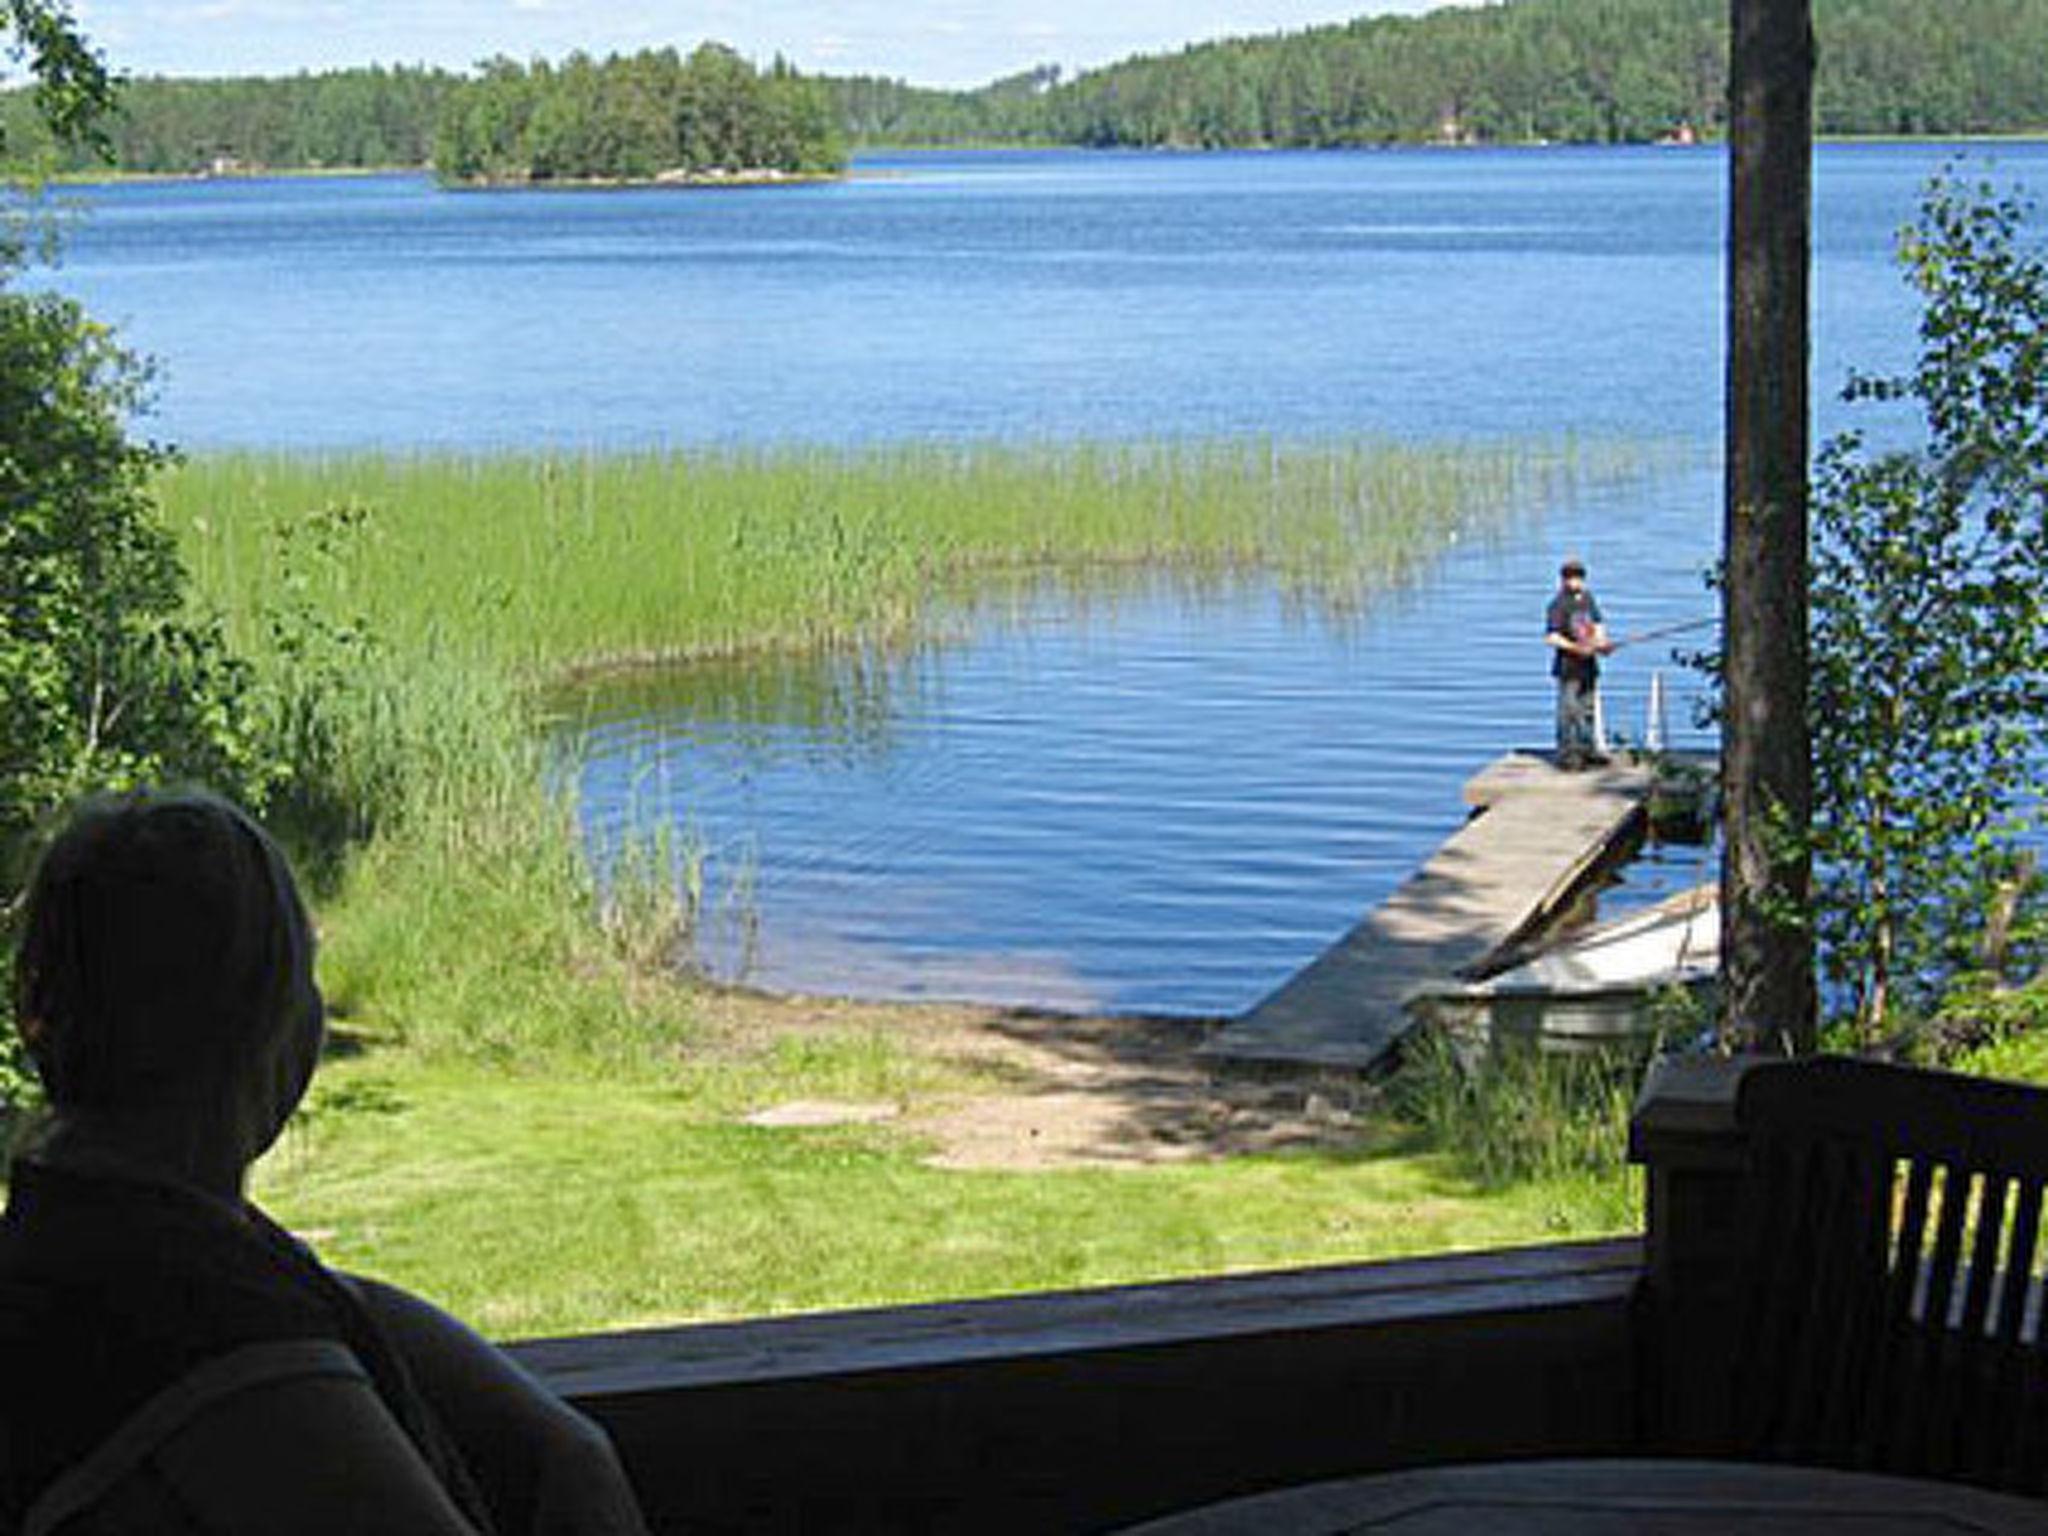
(1603, 983)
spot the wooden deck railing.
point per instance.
(1083, 1410)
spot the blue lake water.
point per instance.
(1017, 294)
(1161, 802)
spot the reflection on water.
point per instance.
(831, 706)
(1149, 796)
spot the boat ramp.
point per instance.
(1535, 837)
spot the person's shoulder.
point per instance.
(80, 1361)
(541, 1463)
(287, 1435)
(109, 1296)
(135, 1265)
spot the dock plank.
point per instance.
(1534, 836)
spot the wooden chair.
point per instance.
(1891, 1306)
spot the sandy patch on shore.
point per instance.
(1052, 1091)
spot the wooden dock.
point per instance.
(1534, 836)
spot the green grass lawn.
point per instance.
(537, 1205)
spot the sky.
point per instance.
(923, 41)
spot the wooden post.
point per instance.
(1767, 984)
(1694, 1158)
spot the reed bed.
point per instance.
(535, 564)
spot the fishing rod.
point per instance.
(1637, 637)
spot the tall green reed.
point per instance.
(536, 563)
(1510, 1110)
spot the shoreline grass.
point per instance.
(402, 616)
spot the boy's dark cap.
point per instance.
(1572, 567)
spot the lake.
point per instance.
(1164, 802)
(1027, 294)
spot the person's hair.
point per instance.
(163, 944)
(1572, 568)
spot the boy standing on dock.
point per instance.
(1577, 636)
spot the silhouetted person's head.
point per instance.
(165, 975)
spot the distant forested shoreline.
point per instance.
(1522, 71)
(1518, 72)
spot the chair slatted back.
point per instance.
(1892, 1318)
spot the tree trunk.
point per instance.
(1877, 992)
(1767, 987)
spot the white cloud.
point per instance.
(956, 44)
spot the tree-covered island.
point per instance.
(653, 116)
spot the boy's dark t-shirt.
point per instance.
(1573, 615)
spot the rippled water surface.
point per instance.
(1169, 803)
(1162, 802)
(1045, 294)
